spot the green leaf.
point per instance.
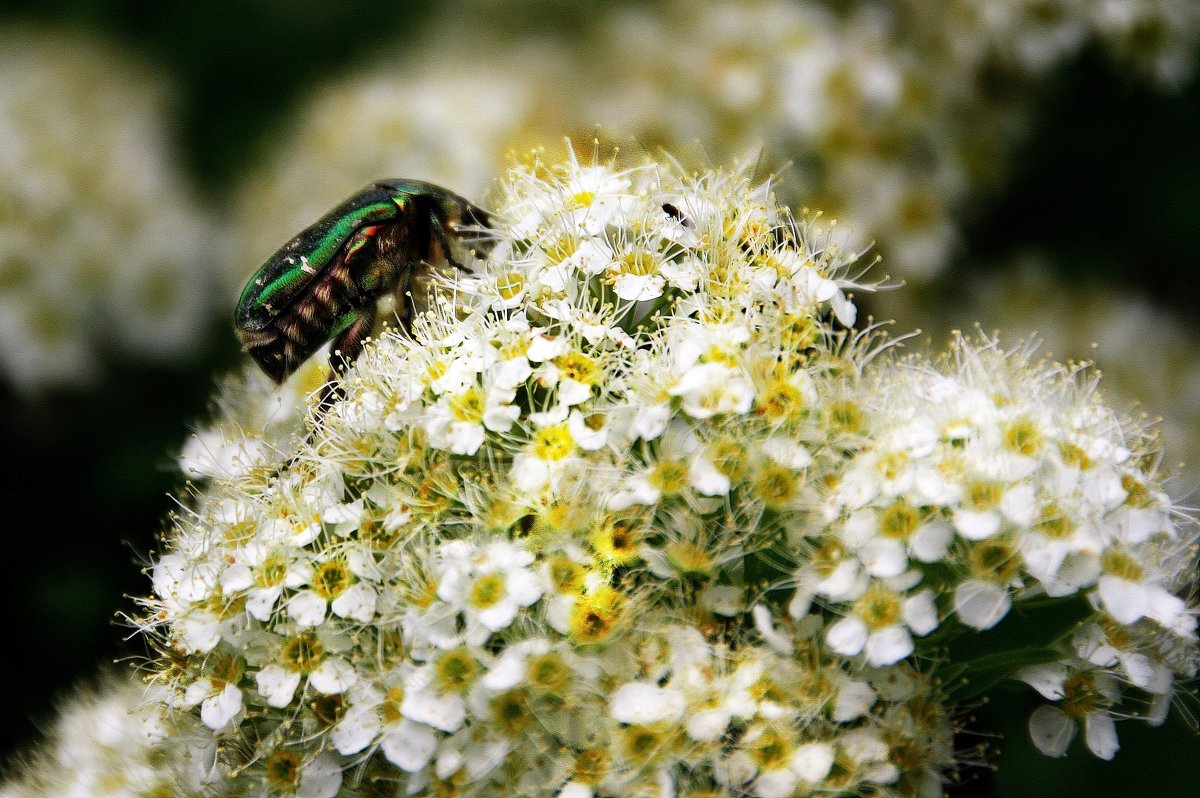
(974, 662)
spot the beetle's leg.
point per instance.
(350, 336)
(439, 230)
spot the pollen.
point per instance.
(566, 575)
(779, 400)
(549, 673)
(775, 485)
(616, 540)
(553, 443)
(271, 572)
(845, 416)
(562, 248)
(512, 713)
(1122, 565)
(983, 495)
(510, 285)
(728, 456)
(1054, 523)
(331, 578)
(1074, 455)
(303, 652)
(899, 520)
(1023, 437)
(641, 744)
(581, 199)
(389, 710)
(772, 750)
(579, 367)
(487, 591)
(456, 670)
(690, 559)
(670, 477)
(468, 406)
(639, 262)
(879, 607)
(282, 769)
(994, 559)
(594, 618)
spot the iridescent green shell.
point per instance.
(285, 275)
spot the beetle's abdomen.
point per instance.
(300, 329)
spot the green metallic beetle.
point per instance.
(326, 283)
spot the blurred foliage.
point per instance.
(1108, 187)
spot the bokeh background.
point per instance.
(1027, 165)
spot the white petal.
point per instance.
(442, 712)
(260, 602)
(448, 762)
(356, 730)
(277, 685)
(1048, 679)
(306, 608)
(1051, 730)
(201, 632)
(573, 789)
(1125, 601)
(1019, 504)
(854, 700)
(1100, 732)
(774, 784)
(506, 672)
(708, 725)
(772, 637)
(981, 604)
(236, 578)
(706, 479)
(920, 613)
(847, 636)
(1166, 608)
(356, 602)
(812, 761)
(1103, 487)
(333, 676)
(644, 703)
(976, 524)
(786, 452)
(931, 541)
(887, 646)
(320, 778)
(883, 557)
(409, 746)
(846, 583)
(218, 710)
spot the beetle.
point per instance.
(326, 283)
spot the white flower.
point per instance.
(643, 703)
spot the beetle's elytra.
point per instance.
(325, 284)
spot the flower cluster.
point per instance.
(101, 242)
(634, 510)
(117, 740)
(1110, 327)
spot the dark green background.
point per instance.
(1108, 186)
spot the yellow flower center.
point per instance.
(1023, 437)
(879, 607)
(899, 520)
(468, 406)
(553, 443)
(510, 285)
(487, 591)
